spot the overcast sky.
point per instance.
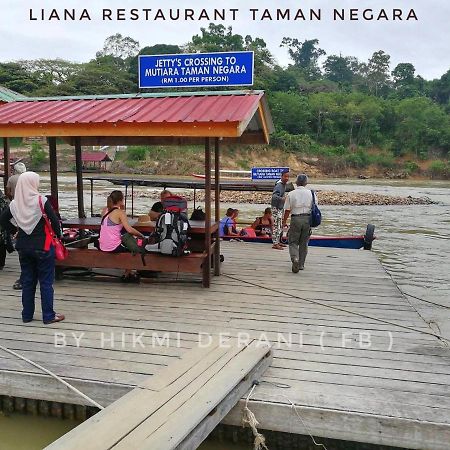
(425, 43)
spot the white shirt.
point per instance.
(299, 201)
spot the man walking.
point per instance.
(298, 205)
(277, 203)
(19, 169)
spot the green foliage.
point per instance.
(411, 167)
(137, 153)
(439, 169)
(37, 155)
(340, 113)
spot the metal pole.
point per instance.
(53, 168)
(132, 198)
(92, 197)
(217, 206)
(79, 169)
(6, 162)
(207, 269)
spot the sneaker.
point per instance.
(17, 286)
(58, 318)
(295, 266)
(302, 267)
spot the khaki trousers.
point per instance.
(298, 238)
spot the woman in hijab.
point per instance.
(36, 254)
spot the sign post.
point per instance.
(267, 173)
(196, 70)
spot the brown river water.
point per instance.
(413, 243)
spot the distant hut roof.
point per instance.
(95, 157)
(7, 95)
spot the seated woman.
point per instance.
(263, 225)
(113, 223)
(227, 225)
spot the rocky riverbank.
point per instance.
(324, 197)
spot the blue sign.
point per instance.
(196, 70)
(267, 173)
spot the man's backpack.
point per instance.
(172, 226)
(172, 233)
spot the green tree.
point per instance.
(377, 74)
(305, 54)
(422, 125)
(15, 76)
(216, 38)
(290, 112)
(340, 69)
(119, 46)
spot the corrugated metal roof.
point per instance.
(7, 95)
(95, 157)
(143, 95)
(213, 107)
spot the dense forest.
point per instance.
(348, 112)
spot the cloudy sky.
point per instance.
(425, 43)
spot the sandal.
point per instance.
(278, 247)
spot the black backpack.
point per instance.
(198, 214)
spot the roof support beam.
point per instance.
(207, 268)
(163, 129)
(79, 170)
(6, 161)
(53, 168)
(217, 205)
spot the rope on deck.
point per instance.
(338, 308)
(52, 374)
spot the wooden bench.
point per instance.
(194, 263)
(179, 406)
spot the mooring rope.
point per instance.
(426, 301)
(250, 418)
(49, 372)
(338, 308)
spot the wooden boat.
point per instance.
(350, 242)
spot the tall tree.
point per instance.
(119, 46)
(216, 38)
(305, 54)
(340, 69)
(378, 76)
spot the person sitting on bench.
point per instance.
(112, 225)
(158, 207)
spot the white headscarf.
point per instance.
(25, 207)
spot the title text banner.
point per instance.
(196, 70)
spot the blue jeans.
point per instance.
(37, 265)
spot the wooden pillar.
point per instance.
(79, 169)
(207, 267)
(217, 205)
(6, 162)
(53, 168)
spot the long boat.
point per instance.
(350, 242)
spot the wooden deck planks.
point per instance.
(179, 406)
(407, 384)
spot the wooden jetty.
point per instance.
(179, 407)
(350, 351)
